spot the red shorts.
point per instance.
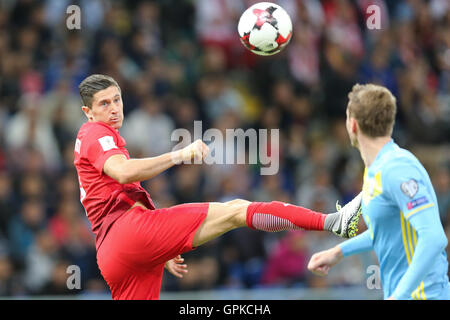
(139, 243)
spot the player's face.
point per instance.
(107, 107)
(349, 123)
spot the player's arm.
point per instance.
(411, 193)
(431, 241)
(126, 170)
(359, 244)
(321, 262)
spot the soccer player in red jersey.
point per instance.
(135, 240)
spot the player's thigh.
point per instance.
(221, 218)
(175, 228)
(146, 237)
(125, 280)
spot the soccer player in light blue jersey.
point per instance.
(399, 206)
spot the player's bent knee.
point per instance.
(238, 202)
(237, 209)
(221, 218)
(229, 215)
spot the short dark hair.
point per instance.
(93, 84)
(374, 108)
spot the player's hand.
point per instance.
(197, 150)
(175, 267)
(321, 262)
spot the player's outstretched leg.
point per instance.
(275, 216)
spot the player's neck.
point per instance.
(370, 147)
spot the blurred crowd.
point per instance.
(178, 61)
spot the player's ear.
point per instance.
(354, 125)
(87, 112)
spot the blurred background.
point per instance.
(181, 60)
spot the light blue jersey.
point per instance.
(400, 209)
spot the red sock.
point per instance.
(278, 216)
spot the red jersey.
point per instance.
(103, 198)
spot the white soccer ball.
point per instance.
(265, 28)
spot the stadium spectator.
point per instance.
(24, 227)
(286, 264)
(155, 128)
(28, 129)
(40, 260)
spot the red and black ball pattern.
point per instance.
(262, 17)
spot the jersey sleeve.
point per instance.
(409, 189)
(360, 243)
(100, 144)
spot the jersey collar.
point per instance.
(388, 146)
